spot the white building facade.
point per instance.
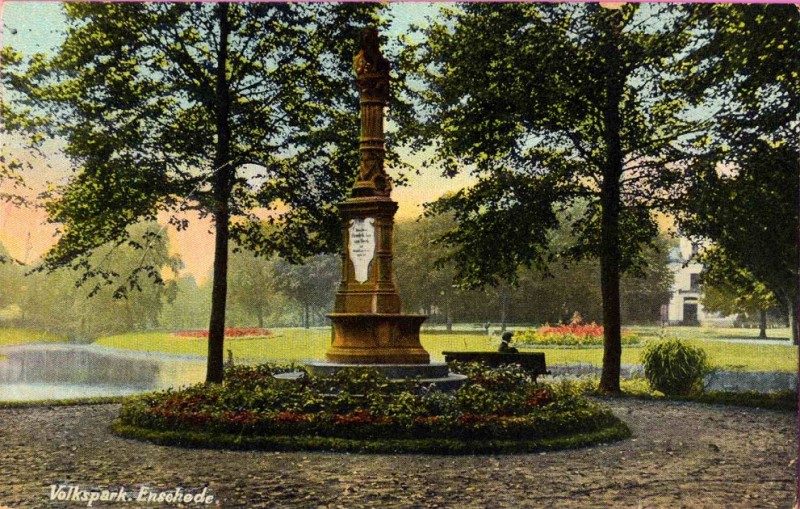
(684, 307)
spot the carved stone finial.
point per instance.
(372, 69)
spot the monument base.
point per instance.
(433, 374)
(381, 338)
(392, 371)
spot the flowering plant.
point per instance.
(575, 333)
(230, 332)
(501, 403)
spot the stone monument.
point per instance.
(368, 326)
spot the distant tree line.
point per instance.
(271, 292)
(551, 295)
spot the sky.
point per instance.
(33, 27)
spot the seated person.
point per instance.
(506, 339)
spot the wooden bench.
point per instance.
(531, 361)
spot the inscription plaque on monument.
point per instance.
(362, 246)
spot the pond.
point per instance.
(61, 371)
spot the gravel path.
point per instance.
(681, 455)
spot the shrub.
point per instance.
(674, 367)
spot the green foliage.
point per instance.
(733, 211)
(614, 432)
(134, 91)
(538, 147)
(223, 109)
(747, 59)
(734, 292)
(502, 404)
(552, 297)
(674, 367)
(92, 308)
(310, 285)
(189, 307)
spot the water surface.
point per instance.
(60, 371)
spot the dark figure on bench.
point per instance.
(506, 339)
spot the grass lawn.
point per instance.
(729, 356)
(13, 336)
(283, 345)
(294, 344)
(719, 333)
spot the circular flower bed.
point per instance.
(231, 332)
(497, 410)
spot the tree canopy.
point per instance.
(545, 104)
(242, 111)
(742, 193)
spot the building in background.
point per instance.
(684, 307)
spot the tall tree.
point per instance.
(54, 301)
(241, 111)
(546, 104)
(730, 290)
(253, 282)
(744, 193)
(311, 284)
(750, 213)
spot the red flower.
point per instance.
(243, 418)
(359, 416)
(291, 417)
(233, 332)
(538, 397)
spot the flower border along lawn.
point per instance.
(496, 411)
(288, 345)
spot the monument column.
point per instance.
(368, 327)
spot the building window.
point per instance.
(694, 282)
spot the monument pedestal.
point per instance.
(376, 339)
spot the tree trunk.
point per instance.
(792, 311)
(222, 190)
(796, 301)
(448, 313)
(610, 255)
(503, 310)
(762, 324)
(306, 323)
(260, 318)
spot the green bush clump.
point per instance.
(675, 367)
(502, 404)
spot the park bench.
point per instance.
(530, 361)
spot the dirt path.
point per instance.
(681, 455)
